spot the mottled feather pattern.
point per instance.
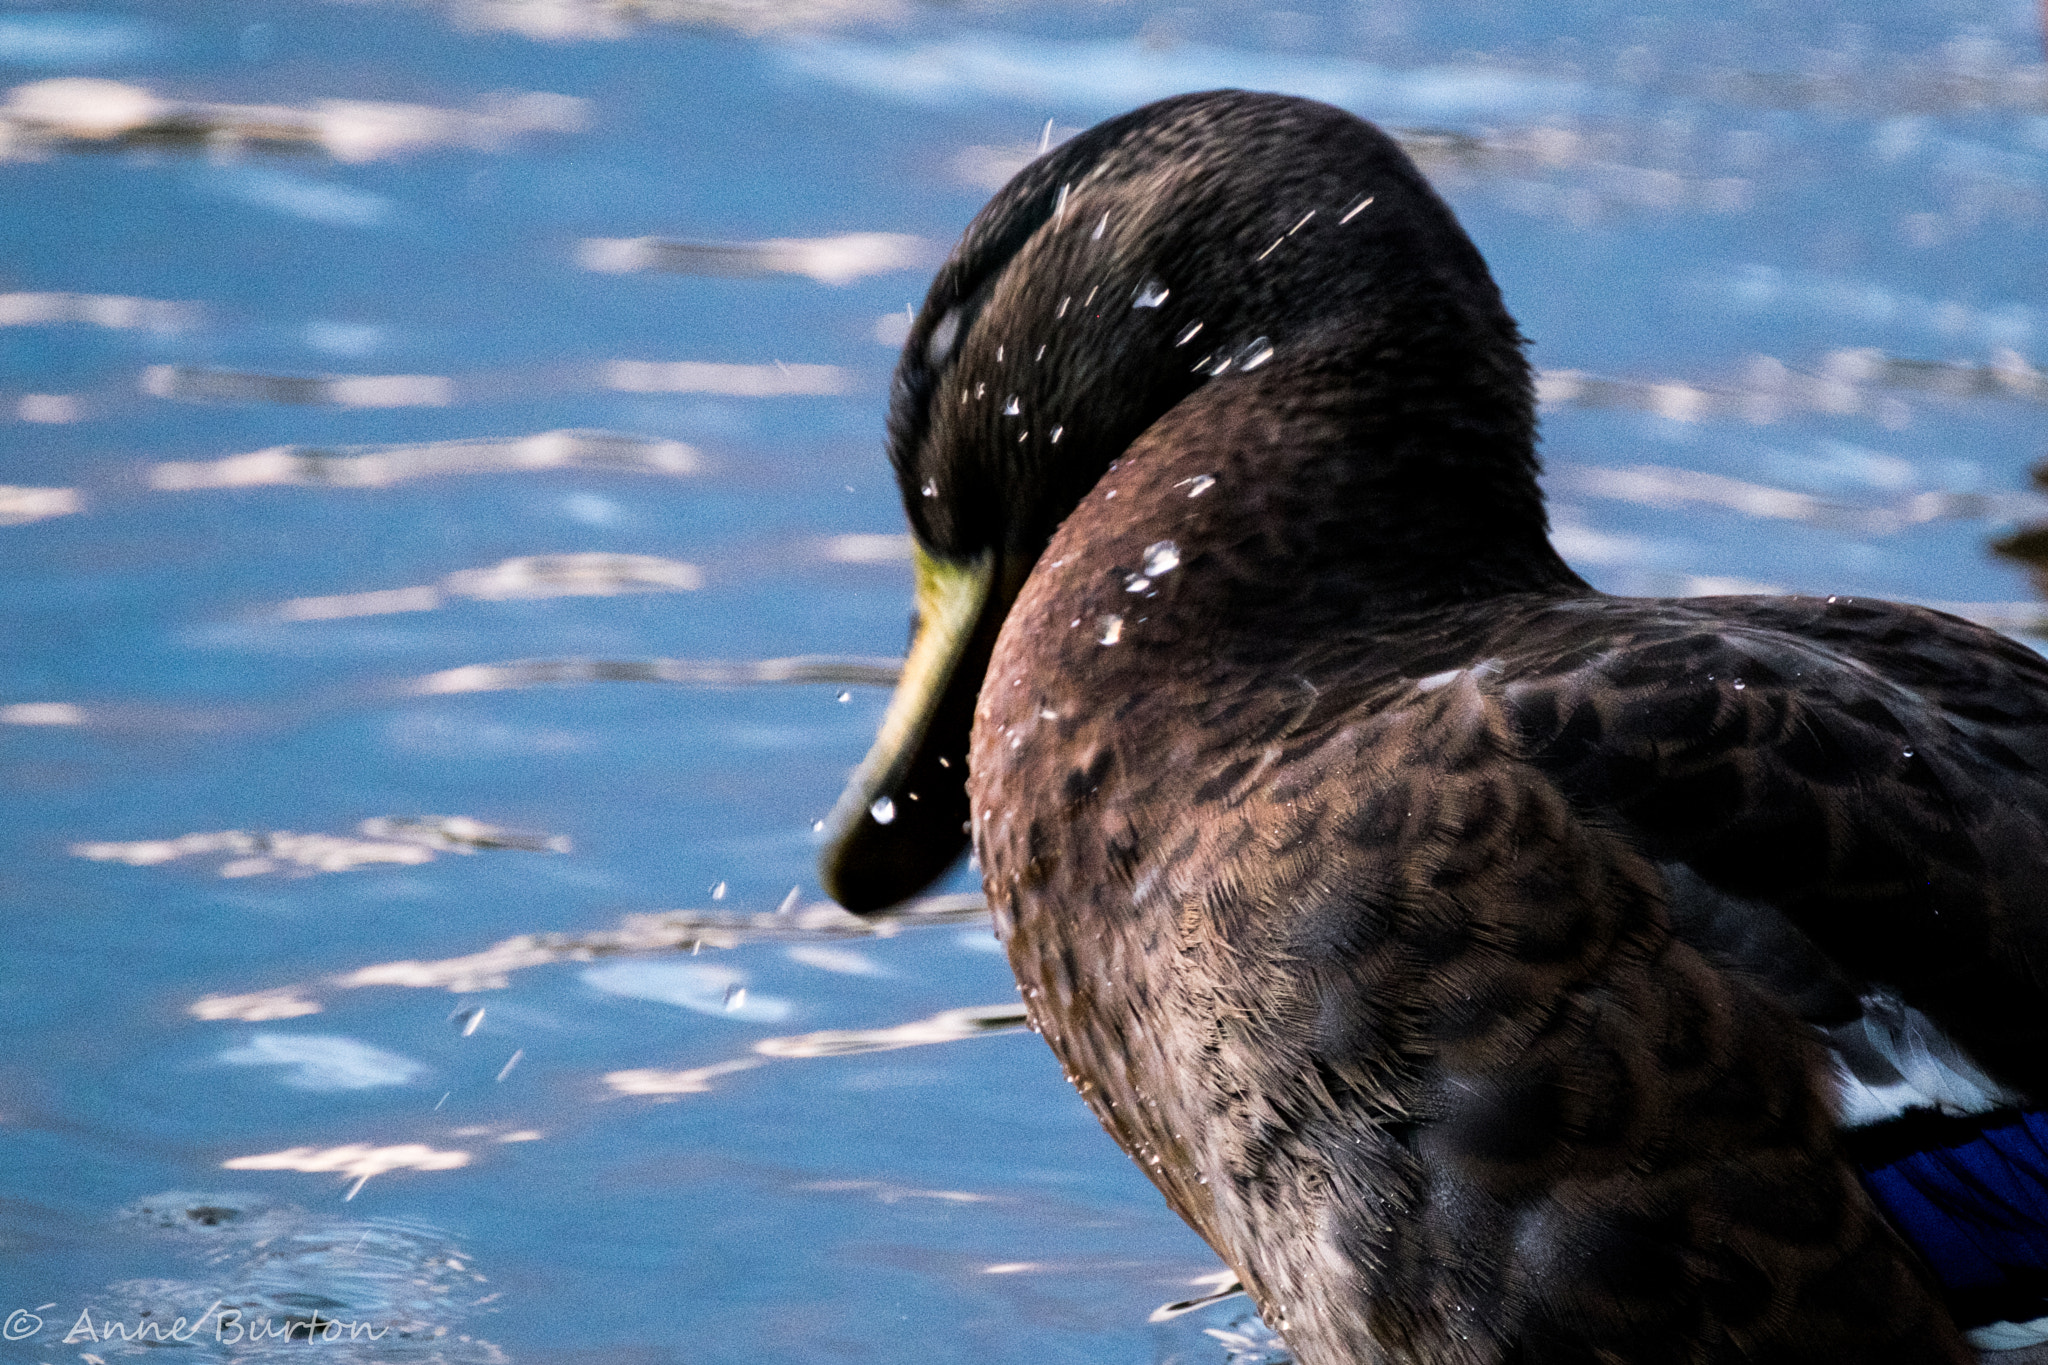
(1320, 941)
(1877, 774)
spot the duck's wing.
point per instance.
(1844, 795)
(1402, 1029)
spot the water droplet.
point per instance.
(1908, 753)
(844, 697)
(1062, 310)
(1056, 434)
(1739, 684)
(1216, 367)
(718, 892)
(943, 336)
(1040, 356)
(999, 355)
(1044, 714)
(930, 489)
(735, 996)
(1255, 354)
(1100, 228)
(1150, 295)
(1136, 582)
(1013, 407)
(1112, 630)
(981, 390)
(817, 826)
(1198, 485)
(1161, 557)
(883, 811)
(1188, 333)
(791, 901)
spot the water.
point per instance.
(444, 513)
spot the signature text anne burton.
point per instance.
(229, 1326)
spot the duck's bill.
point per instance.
(902, 820)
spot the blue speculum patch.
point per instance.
(1971, 1194)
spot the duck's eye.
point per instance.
(943, 336)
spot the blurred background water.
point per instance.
(449, 565)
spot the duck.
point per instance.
(1489, 968)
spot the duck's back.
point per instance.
(1874, 774)
(1470, 980)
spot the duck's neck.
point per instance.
(1346, 483)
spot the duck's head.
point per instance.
(1183, 245)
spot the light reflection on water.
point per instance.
(400, 378)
